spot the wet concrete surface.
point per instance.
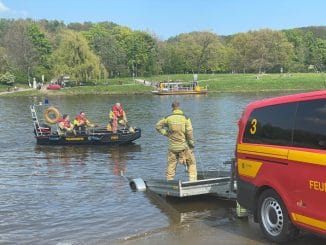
(205, 220)
(201, 233)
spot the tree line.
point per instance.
(97, 51)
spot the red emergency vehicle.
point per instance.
(281, 164)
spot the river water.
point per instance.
(81, 194)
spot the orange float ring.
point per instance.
(51, 111)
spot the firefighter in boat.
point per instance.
(65, 126)
(117, 118)
(81, 123)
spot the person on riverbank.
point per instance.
(81, 122)
(117, 117)
(178, 128)
(65, 126)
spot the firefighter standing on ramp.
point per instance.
(178, 128)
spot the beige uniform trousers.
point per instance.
(183, 157)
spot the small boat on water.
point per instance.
(175, 88)
(48, 135)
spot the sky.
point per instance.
(168, 18)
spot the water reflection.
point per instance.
(119, 156)
(116, 157)
(62, 154)
(188, 209)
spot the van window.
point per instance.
(271, 125)
(310, 125)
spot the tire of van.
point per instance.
(274, 219)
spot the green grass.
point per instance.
(215, 83)
(3, 88)
(125, 88)
(253, 82)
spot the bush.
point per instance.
(74, 83)
(7, 79)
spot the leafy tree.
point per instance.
(78, 27)
(7, 78)
(108, 25)
(122, 50)
(198, 51)
(241, 46)
(51, 26)
(4, 62)
(211, 52)
(40, 43)
(26, 46)
(273, 50)
(21, 53)
(5, 25)
(107, 47)
(51, 29)
(139, 49)
(75, 58)
(309, 47)
(300, 51)
(141, 53)
(262, 50)
(316, 31)
(318, 54)
(171, 60)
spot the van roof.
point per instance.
(288, 98)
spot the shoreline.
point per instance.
(219, 83)
(228, 231)
(31, 92)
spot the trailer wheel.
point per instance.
(274, 218)
(137, 184)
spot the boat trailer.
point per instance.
(219, 183)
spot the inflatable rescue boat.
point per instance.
(46, 134)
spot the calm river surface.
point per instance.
(80, 195)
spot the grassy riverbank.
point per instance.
(215, 83)
(124, 89)
(253, 82)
